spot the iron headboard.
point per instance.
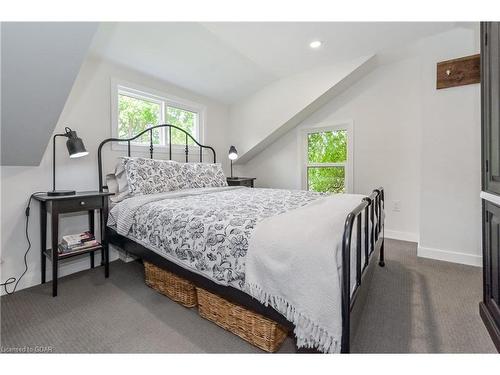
(151, 146)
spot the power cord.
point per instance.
(12, 280)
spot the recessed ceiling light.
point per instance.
(315, 44)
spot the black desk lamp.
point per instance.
(233, 155)
(76, 149)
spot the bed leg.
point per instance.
(381, 261)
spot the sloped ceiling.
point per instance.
(271, 112)
(40, 62)
(229, 61)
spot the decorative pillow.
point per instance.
(213, 175)
(200, 175)
(151, 176)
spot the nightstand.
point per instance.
(55, 205)
(241, 181)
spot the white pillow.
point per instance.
(117, 182)
(121, 175)
(112, 183)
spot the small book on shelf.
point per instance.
(78, 242)
(78, 239)
(74, 249)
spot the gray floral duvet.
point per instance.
(205, 230)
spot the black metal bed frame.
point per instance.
(369, 213)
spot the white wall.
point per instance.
(421, 144)
(386, 149)
(450, 208)
(88, 112)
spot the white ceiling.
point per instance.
(228, 61)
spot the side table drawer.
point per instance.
(80, 204)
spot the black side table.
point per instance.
(241, 181)
(55, 205)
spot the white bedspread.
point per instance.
(294, 265)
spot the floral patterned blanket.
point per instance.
(205, 230)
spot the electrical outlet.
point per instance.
(396, 206)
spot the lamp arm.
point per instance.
(54, 158)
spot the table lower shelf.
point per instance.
(48, 252)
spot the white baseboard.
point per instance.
(450, 256)
(403, 236)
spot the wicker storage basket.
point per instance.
(252, 327)
(171, 285)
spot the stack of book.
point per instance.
(78, 242)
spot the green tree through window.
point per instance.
(326, 161)
(139, 111)
(185, 120)
(136, 115)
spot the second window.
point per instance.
(327, 162)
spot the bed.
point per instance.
(263, 249)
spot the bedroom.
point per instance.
(203, 158)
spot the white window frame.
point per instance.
(348, 126)
(140, 92)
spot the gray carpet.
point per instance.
(414, 305)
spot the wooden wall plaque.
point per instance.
(458, 72)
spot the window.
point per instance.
(184, 119)
(328, 159)
(136, 114)
(136, 110)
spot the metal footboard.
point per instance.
(370, 212)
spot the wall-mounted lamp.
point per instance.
(76, 149)
(233, 155)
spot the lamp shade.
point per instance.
(233, 154)
(75, 145)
